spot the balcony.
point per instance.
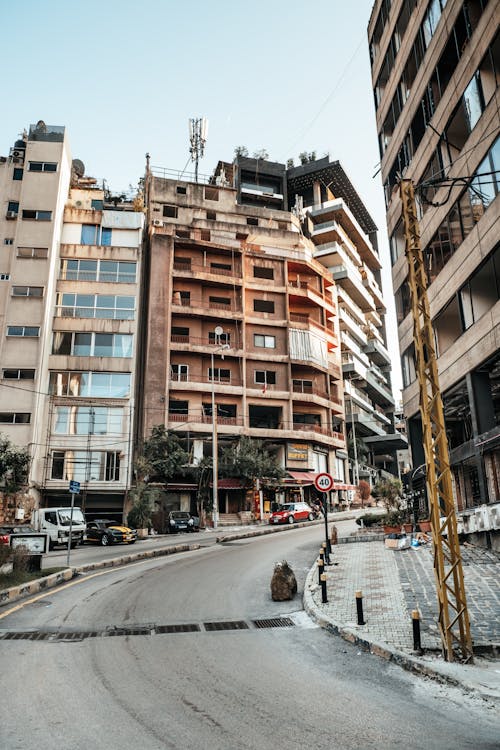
(336, 211)
(185, 381)
(307, 321)
(349, 278)
(200, 306)
(348, 323)
(377, 352)
(193, 270)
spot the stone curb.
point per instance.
(41, 584)
(384, 650)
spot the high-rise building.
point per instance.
(262, 288)
(69, 285)
(436, 72)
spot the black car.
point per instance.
(180, 520)
(103, 531)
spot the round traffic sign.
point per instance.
(324, 482)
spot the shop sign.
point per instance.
(297, 452)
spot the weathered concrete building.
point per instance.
(436, 72)
(69, 273)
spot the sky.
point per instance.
(125, 77)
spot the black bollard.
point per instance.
(324, 596)
(359, 607)
(321, 568)
(326, 556)
(415, 619)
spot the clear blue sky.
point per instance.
(124, 78)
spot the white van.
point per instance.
(55, 523)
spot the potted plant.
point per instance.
(389, 492)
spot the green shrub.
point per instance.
(370, 519)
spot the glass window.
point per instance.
(82, 344)
(89, 234)
(106, 236)
(18, 173)
(29, 331)
(13, 207)
(268, 342)
(473, 101)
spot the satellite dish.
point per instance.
(78, 167)
(219, 330)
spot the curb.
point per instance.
(384, 650)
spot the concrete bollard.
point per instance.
(324, 595)
(334, 535)
(359, 607)
(417, 644)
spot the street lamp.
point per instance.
(215, 469)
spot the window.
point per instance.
(219, 375)
(181, 190)
(92, 344)
(170, 212)
(32, 252)
(88, 420)
(82, 466)
(211, 193)
(98, 270)
(97, 204)
(263, 305)
(95, 306)
(220, 266)
(218, 301)
(268, 342)
(18, 374)
(91, 384)
(260, 272)
(26, 331)
(18, 173)
(12, 208)
(211, 215)
(14, 417)
(8, 241)
(37, 215)
(180, 408)
(27, 291)
(179, 335)
(481, 291)
(179, 373)
(408, 366)
(94, 234)
(224, 338)
(265, 377)
(252, 222)
(4, 276)
(42, 166)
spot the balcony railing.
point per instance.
(206, 304)
(193, 378)
(204, 419)
(309, 389)
(176, 338)
(107, 313)
(204, 268)
(302, 427)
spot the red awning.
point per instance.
(304, 477)
(229, 484)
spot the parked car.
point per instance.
(6, 531)
(292, 512)
(181, 520)
(103, 531)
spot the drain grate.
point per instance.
(229, 625)
(274, 622)
(128, 631)
(188, 628)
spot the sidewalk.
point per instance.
(394, 583)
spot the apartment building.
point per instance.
(69, 289)
(264, 291)
(239, 314)
(344, 240)
(435, 71)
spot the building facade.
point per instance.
(70, 269)
(435, 72)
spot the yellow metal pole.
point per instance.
(453, 615)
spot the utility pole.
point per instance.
(453, 615)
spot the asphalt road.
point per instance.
(256, 688)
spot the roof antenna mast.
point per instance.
(198, 130)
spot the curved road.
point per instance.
(258, 688)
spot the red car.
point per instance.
(292, 512)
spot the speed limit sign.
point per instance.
(324, 482)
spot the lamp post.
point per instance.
(355, 472)
(215, 466)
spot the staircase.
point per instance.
(229, 519)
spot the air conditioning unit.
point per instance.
(18, 154)
(157, 223)
(11, 214)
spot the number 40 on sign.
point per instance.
(324, 482)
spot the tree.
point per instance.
(14, 465)
(390, 492)
(240, 151)
(249, 460)
(162, 457)
(261, 154)
(364, 490)
(306, 157)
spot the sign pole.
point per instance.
(70, 527)
(325, 511)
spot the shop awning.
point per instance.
(229, 484)
(181, 486)
(304, 477)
